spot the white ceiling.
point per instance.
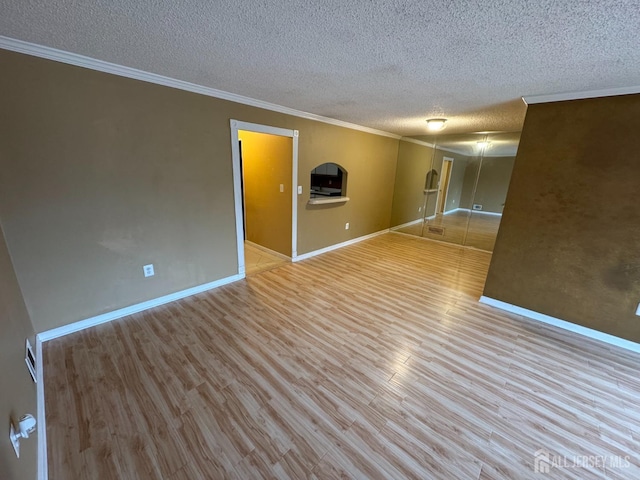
(386, 64)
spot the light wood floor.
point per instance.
(257, 260)
(471, 229)
(372, 361)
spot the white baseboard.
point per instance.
(304, 256)
(408, 224)
(123, 312)
(43, 467)
(449, 212)
(268, 250)
(483, 212)
(556, 322)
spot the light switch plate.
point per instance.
(299, 189)
(15, 440)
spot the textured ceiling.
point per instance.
(386, 64)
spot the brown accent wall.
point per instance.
(18, 392)
(569, 241)
(267, 162)
(103, 174)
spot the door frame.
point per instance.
(446, 194)
(237, 183)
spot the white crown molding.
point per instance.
(417, 142)
(431, 145)
(70, 58)
(557, 322)
(561, 97)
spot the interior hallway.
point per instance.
(258, 260)
(372, 361)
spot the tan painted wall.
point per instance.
(569, 241)
(493, 183)
(267, 163)
(414, 161)
(459, 161)
(103, 174)
(18, 392)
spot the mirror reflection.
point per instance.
(463, 186)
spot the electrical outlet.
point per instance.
(299, 189)
(419, 209)
(281, 188)
(638, 310)
(346, 226)
(148, 270)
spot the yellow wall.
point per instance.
(267, 164)
(17, 390)
(103, 174)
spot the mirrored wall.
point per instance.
(452, 188)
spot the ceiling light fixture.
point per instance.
(436, 124)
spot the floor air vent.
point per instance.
(436, 230)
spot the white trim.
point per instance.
(268, 250)
(294, 196)
(237, 125)
(43, 466)
(561, 97)
(457, 209)
(304, 256)
(70, 58)
(417, 142)
(431, 145)
(556, 322)
(408, 224)
(483, 212)
(327, 200)
(139, 307)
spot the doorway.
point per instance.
(443, 189)
(265, 178)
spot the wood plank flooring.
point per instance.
(473, 229)
(372, 361)
(258, 260)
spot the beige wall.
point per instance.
(18, 392)
(414, 161)
(493, 183)
(267, 163)
(103, 174)
(569, 241)
(455, 186)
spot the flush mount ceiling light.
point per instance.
(436, 124)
